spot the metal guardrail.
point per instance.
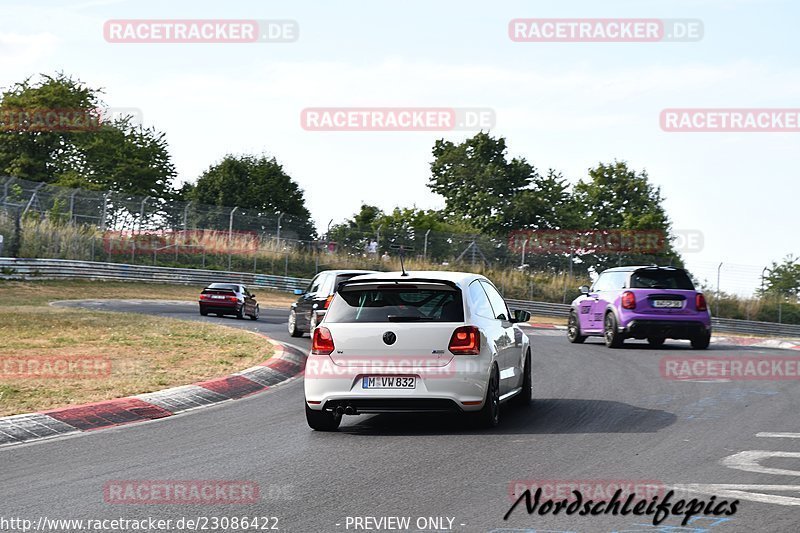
(732, 325)
(53, 269)
(721, 325)
(26, 269)
(540, 308)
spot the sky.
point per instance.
(561, 105)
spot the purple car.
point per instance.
(641, 302)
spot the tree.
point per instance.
(402, 226)
(477, 181)
(353, 234)
(784, 279)
(84, 152)
(261, 189)
(618, 198)
(547, 204)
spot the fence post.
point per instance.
(5, 191)
(33, 198)
(141, 213)
(230, 224)
(105, 211)
(719, 268)
(72, 206)
(230, 233)
(524, 245)
(186, 215)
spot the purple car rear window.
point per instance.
(661, 279)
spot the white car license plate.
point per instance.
(389, 382)
(667, 303)
(217, 297)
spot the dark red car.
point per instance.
(228, 299)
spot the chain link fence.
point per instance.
(38, 220)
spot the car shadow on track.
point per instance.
(669, 347)
(266, 319)
(542, 417)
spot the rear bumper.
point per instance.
(671, 329)
(460, 385)
(396, 405)
(219, 307)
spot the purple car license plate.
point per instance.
(671, 304)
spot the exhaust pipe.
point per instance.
(340, 410)
(350, 410)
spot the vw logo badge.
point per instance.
(389, 337)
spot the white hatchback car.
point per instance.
(424, 341)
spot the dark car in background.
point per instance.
(228, 299)
(313, 301)
(641, 302)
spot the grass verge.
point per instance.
(558, 321)
(135, 353)
(42, 292)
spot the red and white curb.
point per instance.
(286, 363)
(780, 344)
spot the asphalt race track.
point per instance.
(597, 414)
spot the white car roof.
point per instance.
(459, 278)
(346, 271)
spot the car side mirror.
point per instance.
(298, 292)
(521, 315)
(584, 289)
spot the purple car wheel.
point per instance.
(574, 329)
(611, 333)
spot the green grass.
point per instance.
(43, 292)
(145, 353)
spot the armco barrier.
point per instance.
(11, 268)
(67, 269)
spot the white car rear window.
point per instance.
(400, 304)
